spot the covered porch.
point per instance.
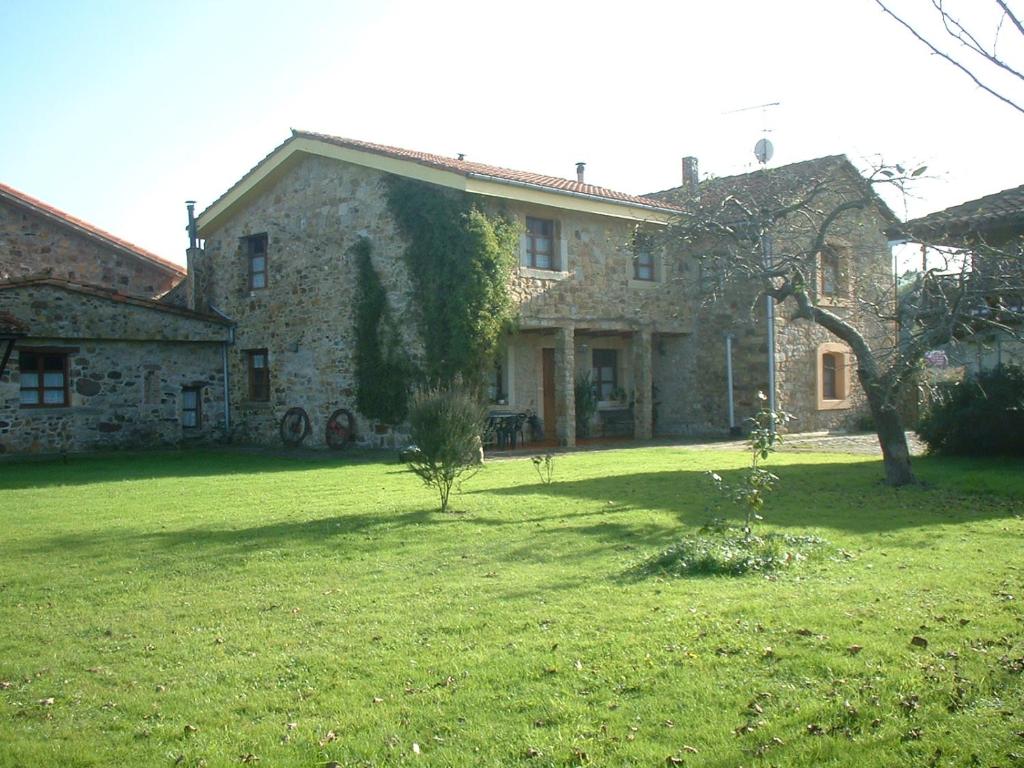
(533, 391)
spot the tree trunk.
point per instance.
(891, 436)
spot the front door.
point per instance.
(548, 380)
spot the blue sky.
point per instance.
(118, 112)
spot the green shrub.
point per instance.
(585, 394)
(722, 550)
(981, 415)
(445, 425)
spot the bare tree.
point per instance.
(768, 236)
(987, 47)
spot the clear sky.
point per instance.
(118, 112)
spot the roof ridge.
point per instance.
(88, 229)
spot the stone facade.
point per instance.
(662, 345)
(36, 239)
(314, 213)
(127, 364)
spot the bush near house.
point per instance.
(982, 415)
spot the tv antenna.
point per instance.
(763, 149)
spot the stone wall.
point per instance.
(315, 212)
(127, 363)
(31, 243)
(123, 394)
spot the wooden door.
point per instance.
(548, 381)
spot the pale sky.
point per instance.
(118, 112)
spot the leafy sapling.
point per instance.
(756, 482)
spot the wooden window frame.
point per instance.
(839, 399)
(250, 243)
(595, 373)
(198, 410)
(259, 391)
(643, 258)
(531, 245)
(41, 354)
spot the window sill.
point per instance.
(635, 283)
(834, 301)
(543, 274)
(612, 405)
(833, 405)
(45, 409)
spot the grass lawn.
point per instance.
(214, 609)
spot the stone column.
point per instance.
(643, 396)
(565, 385)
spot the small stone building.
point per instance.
(98, 361)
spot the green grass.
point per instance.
(151, 594)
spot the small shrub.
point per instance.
(445, 425)
(721, 550)
(586, 404)
(981, 415)
(545, 466)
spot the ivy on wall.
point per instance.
(383, 371)
(460, 260)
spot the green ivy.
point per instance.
(383, 370)
(460, 260)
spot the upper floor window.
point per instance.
(259, 375)
(643, 258)
(255, 247)
(829, 273)
(540, 243)
(43, 378)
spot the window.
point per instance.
(606, 373)
(829, 273)
(643, 258)
(259, 375)
(833, 377)
(255, 247)
(540, 243)
(44, 378)
(496, 384)
(191, 407)
(830, 367)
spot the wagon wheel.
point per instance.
(341, 429)
(294, 427)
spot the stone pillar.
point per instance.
(643, 395)
(565, 385)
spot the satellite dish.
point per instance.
(763, 151)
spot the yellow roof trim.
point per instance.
(278, 161)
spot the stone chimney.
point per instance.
(580, 167)
(199, 278)
(691, 179)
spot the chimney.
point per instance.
(579, 171)
(691, 179)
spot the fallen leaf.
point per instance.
(919, 641)
(415, 748)
(691, 750)
(814, 729)
(804, 632)
(189, 728)
(5, 684)
(378, 700)
(248, 757)
(291, 726)
(855, 649)
(578, 664)
(328, 738)
(47, 702)
(673, 760)
(533, 752)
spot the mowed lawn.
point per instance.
(213, 608)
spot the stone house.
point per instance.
(851, 276)
(97, 360)
(594, 293)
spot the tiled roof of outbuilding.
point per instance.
(1000, 210)
(49, 211)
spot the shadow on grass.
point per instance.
(122, 466)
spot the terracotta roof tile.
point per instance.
(88, 229)
(1000, 210)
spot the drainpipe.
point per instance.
(766, 254)
(728, 375)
